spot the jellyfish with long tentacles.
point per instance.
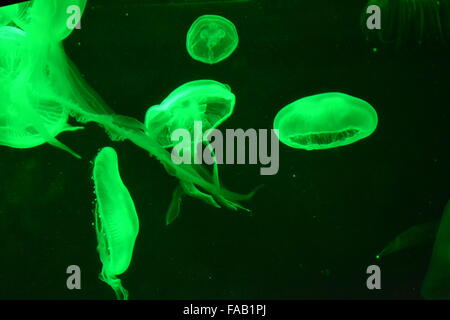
(51, 64)
(39, 82)
(406, 22)
(206, 101)
(32, 112)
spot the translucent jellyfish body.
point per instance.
(324, 121)
(116, 220)
(211, 39)
(31, 112)
(49, 20)
(208, 101)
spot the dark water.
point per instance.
(310, 236)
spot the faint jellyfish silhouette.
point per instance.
(436, 285)
(211, 39)
(410, 21)
(325, 121)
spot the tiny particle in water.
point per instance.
(294, 176)
(375, 50)
(126, 14)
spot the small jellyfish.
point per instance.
(436, 285)
(325, 121)
(116, 220)
(211, 39)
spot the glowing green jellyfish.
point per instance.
(116, 220)
(325, 121)
(31, 113)
(211, 39)
(437, 280)
(410, 21)
(208, 101)
(49, 20)
(40, 86)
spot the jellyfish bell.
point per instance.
(325, 121)
(211, 39)
(208, 101)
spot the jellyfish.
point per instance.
(116, 220)
(325, 121)
(41, 87)
(411, 237)
(207, 101)
(49, 20)
(437, 280)
(211, 39)
(410, 21)
(31, 113)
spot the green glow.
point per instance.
(437, 280)
(116, 220)
(203, 100)
(208, 101)
(31, 111)
(409, 238)
(40, 86)
(6, 14)
(325, 121)
(211, 39)
(46, 20)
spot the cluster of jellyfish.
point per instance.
(40, 88)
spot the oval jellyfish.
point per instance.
(116, 220)
(324, 121)
(211, 39)
(437, 280)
